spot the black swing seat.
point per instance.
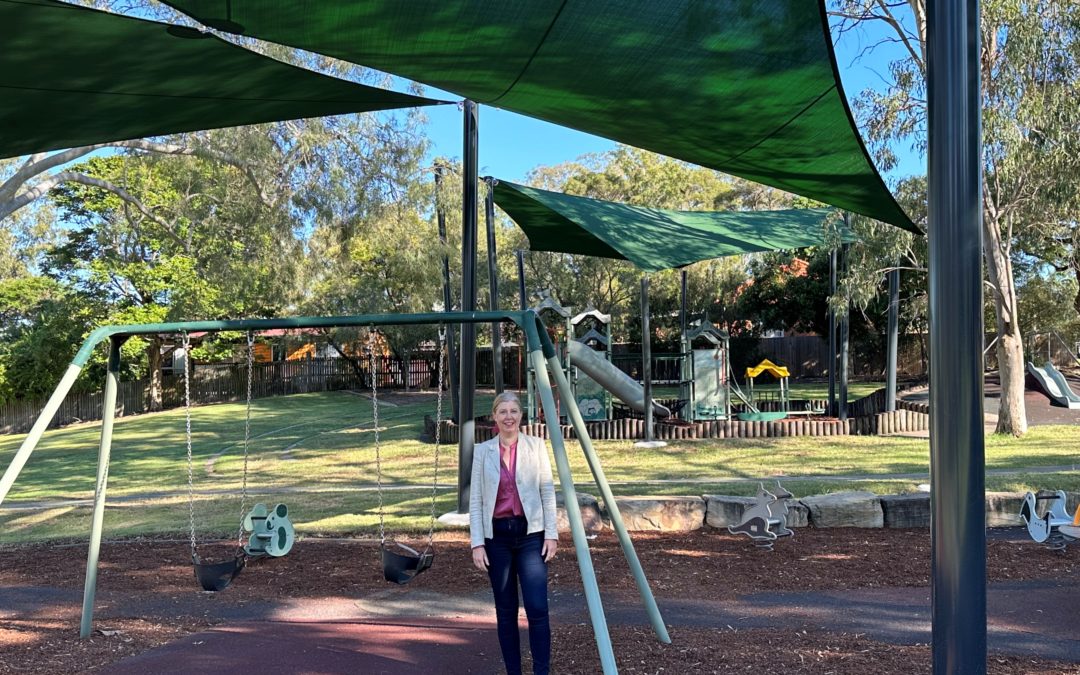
(217, 576)
(402, 563)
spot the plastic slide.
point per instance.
(621, 385)
(1055, 385)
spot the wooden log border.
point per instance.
(881, 424)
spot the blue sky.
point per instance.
(511, 144)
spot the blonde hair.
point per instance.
(505, 397)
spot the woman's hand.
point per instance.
(479, 558)
(548, 552)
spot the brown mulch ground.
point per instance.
(703, 565)
(702, 650)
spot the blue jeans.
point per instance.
(514, 556)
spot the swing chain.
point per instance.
(187, 440)
(438, 432)
(247, 438)
(375, 423)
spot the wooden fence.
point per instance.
(219, 383)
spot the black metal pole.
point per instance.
(469, 192)
(682, 304)
(845, 325)
(957, 451)
(684, 347)
(448, 301)
(646, 357)
(894, 337)
(521, 280)
(832, 335)
(493, 285)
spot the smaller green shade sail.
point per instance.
(71, 76)
(658, 239)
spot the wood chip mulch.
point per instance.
(703, 565)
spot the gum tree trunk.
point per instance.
(1012, 415)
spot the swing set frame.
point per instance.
(542, 357)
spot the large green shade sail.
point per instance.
(71, 76)
(748, 87)
(657, 239)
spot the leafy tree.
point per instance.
(1030, 122)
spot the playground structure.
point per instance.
(706, 382)
(752, 413)
(766, 520)
(1055, 527)
(593, 399)
(1054, 385)
(542, 356)
(590, 375)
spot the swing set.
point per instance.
(543, 360)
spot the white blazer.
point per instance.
(535, 486)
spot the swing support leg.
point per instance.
(573, 512)
(609, 500)
(112, 380)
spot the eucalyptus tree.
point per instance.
(1030, 136)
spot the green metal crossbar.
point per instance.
(541, 353)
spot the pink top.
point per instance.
(507, 501)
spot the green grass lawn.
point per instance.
(322, 446)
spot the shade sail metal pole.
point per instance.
(493, 285)
(467, 381)
(448, 301)
(684, 347)
(582, 433)
(646, 358)
(832, 334)
(894, 338)
(42, 423)
(957, 452)
(108, 414)
(573, 510)
(522, 295)
(845, 334)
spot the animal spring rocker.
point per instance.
(272, 532)
(766, 520)
(1055, 528)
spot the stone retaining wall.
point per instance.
(840, 509)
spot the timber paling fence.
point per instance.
(867, 418)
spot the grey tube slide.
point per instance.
(621, 385)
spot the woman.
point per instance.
(513, 530)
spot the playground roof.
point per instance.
(72, 76)
(657, 239)
(749, 87)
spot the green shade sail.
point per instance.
(658, 239)
(71, 76)
(748, 87)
